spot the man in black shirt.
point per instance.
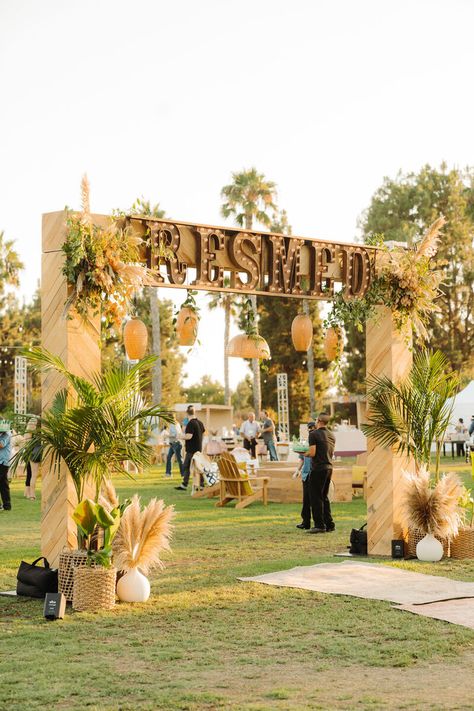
(321, 450)
(193, 443)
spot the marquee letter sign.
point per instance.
(205, 257)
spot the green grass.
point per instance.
(207, 641)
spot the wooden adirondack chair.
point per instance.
(235, 484)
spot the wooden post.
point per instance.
(79, 348)
(387, 353)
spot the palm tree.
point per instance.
(249, 198)
(414, 413)
(228, 303)
(91, 424)
(145, 208)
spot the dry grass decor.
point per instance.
(432, 509)
(102, 264)
(431, 513)
(142, 536)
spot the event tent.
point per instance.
(464, 405)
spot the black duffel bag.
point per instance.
(35, 580)
(358, 541)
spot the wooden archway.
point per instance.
(274, 265)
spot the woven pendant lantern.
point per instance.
(135, 338)
(186, 326)
(333, 343)
(302, 332)
(244, 346)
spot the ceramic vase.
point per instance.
(429, 549)
(133, 587)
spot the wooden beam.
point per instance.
(388, 353)
(78, 346)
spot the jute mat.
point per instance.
(458, 612)
(369, 580)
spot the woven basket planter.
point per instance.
(68, 560)
(463, 545)
(94, 588)
(414, 536)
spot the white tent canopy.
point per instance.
(464, 405)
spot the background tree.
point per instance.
(207, 391)
(286, 360)
(249, 199)
(229, 303)
(404, 207)
(144, 207)
(242, 398)
(10, 265)
(20, 327)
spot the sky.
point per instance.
(166, 99)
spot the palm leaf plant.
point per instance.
(91, 424)
(412, 414)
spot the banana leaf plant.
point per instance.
(90, 518)
(91, 424)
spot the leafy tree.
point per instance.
(10, 264)
(404, 207)
(229, 303)
(172, 360)
(249, 199)
(144, 207)
(20, 327)
(242, 397)
(207, 391)
(286, 360)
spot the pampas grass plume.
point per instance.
(143, 535)
(435, 509)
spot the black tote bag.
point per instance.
(35, 580)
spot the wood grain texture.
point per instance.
(78, 346)
(388, 353)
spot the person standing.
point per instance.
(192, 444)
(303, 470)
(249, 431)
(268, 434)
(321, 450)
(5, 455)
(462, 431)
(175, 434)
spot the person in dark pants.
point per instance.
(175, 447)
(304, 470)
(250, 430)
(193, 443)
(5, 455)
(321, 450)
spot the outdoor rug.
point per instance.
(458, 612)
(369, 580)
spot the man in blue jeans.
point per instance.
(175, 447)
(5, 455)
(268, 434)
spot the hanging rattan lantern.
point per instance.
(245, 346)
(135, 338)
(187, 326)
(302, 332)
(333, 343)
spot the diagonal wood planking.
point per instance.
(79, 348)
(388, 353)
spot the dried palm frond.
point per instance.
(142, 535)
(429, 244)
(85, 195)
(432, 509)
(108, 496)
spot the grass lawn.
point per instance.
(207, 641)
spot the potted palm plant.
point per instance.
(91, 427)
(410, 416)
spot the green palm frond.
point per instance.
(412, 414)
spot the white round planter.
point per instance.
(429, 549)
(133, 587)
